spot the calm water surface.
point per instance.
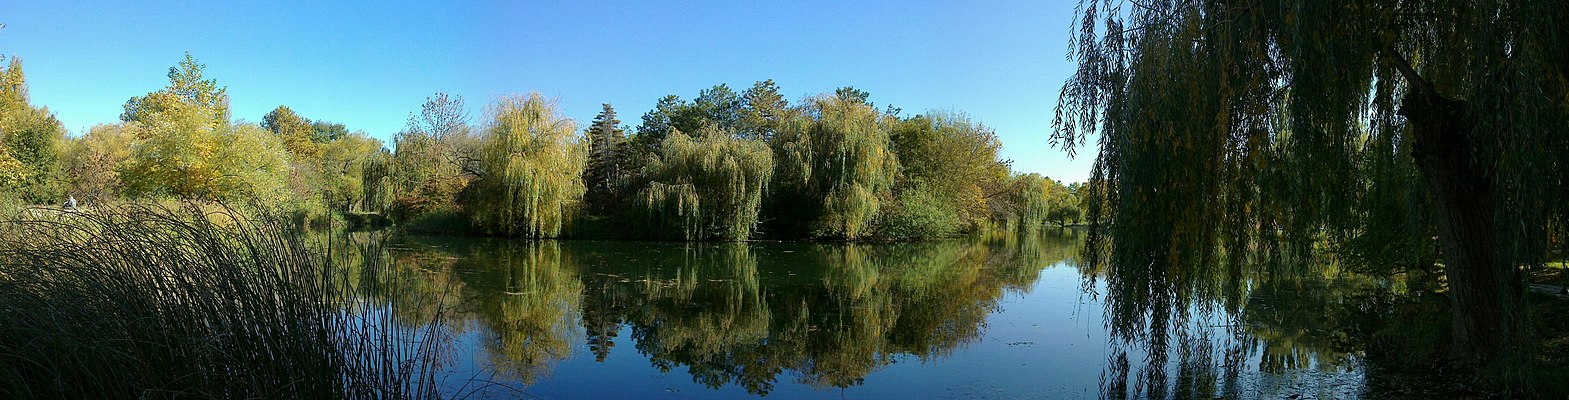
(1000, 317)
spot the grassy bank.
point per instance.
(150, 301)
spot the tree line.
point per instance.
(725, 165)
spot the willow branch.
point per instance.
(1412, 77)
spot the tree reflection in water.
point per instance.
(529, 300)
(829, 315)
(1228, 333)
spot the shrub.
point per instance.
(919, 214)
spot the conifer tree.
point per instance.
(606, 159)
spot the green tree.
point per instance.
(315, 184)
(324, 131)
(436, 143)
(840, 164)
(718, 105)
(419, 179)
(851, 94)
(1031, 200)
(531, 161)
(656, 125)
(188, 159)
(296, 132)
(954, 160)
(1064, 207)
(706, 187)
(13, 85)
(343, 164)
(607, 163)
(764, 111)
(1252, 129)
(186, 147)
(30, 141)
(377, 182)
(187, 93)
(918, 213)
(94, 160)
(12, 172)
(434, 159)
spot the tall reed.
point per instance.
(151, 301)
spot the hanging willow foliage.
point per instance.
(841, 160)
(377, 182)
(1032, 196)
(706, 187)
(531, 163)
(533, 325)
(1249, 137)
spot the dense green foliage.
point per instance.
(295, 131)
(93, 163)
(530, 170)
(1039, 198)
(1267, 138)
(709, 186)
(185, 157)
(950, 168)
(187, 94)
(842, 156)
(725, 165)
(432, 162)
(607, 168)
(30, 139)
(951, 182)
(178, 142)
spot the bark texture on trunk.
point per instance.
(1484, 289)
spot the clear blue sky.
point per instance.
(368, 64)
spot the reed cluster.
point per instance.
(185, 301)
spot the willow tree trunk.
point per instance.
(1484, 289)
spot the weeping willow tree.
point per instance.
(706, 187)
(1031, 196)
(839, 164)
(1240, 135)
(529, 175)
(377, 182)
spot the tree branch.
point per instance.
(1412, 77)
(1422, 85)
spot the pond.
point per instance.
(1004, 316)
